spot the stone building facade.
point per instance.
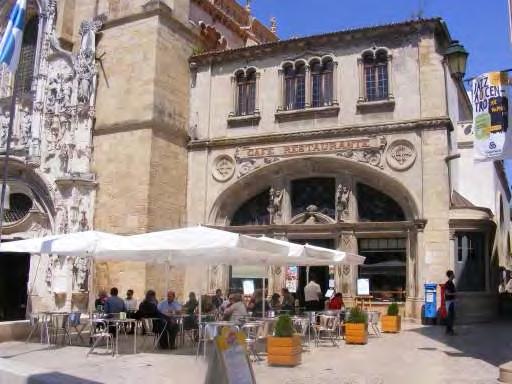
(353, 140)
(140, 115)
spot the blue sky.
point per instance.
(481, 25)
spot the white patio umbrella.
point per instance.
(193, 245)
(69, 244)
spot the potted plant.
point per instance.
(391, 322)
(284, 348)
(356, 327)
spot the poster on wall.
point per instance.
(489, 93)
(292, 278)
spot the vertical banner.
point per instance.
(491, 117)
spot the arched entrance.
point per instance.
(334, 203)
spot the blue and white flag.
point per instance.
(10, 46)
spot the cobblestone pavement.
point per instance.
(417, 355)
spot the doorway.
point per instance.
(14, 270)
(321, 273)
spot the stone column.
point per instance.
(307, 103)
(335, 83)
(346, 275)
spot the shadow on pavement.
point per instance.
(57, 378)
(490, 342)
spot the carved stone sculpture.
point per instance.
(83, 224)
(4, 126)
(26, 127)
(80, 274)
(274, 208)
(310, 217)
(85, 66)
(342, 201)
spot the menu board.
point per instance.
(230, 346)
(363, 287)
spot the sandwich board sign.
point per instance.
(230, 363)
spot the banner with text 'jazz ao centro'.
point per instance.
(490, 117)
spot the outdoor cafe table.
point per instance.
(117, 323)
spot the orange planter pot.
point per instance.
(356, 333)
(391, 324)
(284, 351)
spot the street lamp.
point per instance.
(457, 58)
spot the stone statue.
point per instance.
(310, 217)
(83, 224)
(342, 201)
(63, 222)
(80, 274)
(85, 65)
(4, 126)
(274, 208)
(64, 158)
(26, 127)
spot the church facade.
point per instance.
(143, 115)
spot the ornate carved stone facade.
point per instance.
(52, 147)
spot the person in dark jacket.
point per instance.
(449, 298)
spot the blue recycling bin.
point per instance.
(430, 307)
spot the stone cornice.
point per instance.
(332, 229)
(400, 29)
(150, 9)
(178, 136)
(342, 131)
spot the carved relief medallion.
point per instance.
(223, 168)
(401, 155)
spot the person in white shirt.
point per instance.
(236, 309)
(130, 303)
(312, 294)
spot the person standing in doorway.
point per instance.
(312, 294)
(449, 297)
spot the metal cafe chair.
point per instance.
(39, 322)
(99, 331)
(328, 325)
(373, 322)
(58, 325)
(150, 331)
(252, 330)
(74, 323)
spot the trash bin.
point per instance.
(430, 307)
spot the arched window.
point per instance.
(25, 71)
(254, 211)
(374, 205)
(295, 86)
(246, 93)
(376, 75)
(322, 83)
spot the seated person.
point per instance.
(256, 303)
(190, 308)
(130, 302)
(336, 303)
(218, 299)
(288, 303)
(275, 302)
(100, 301)
(168, 309)
(114, 304)
(148, 306)
(236, 308)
